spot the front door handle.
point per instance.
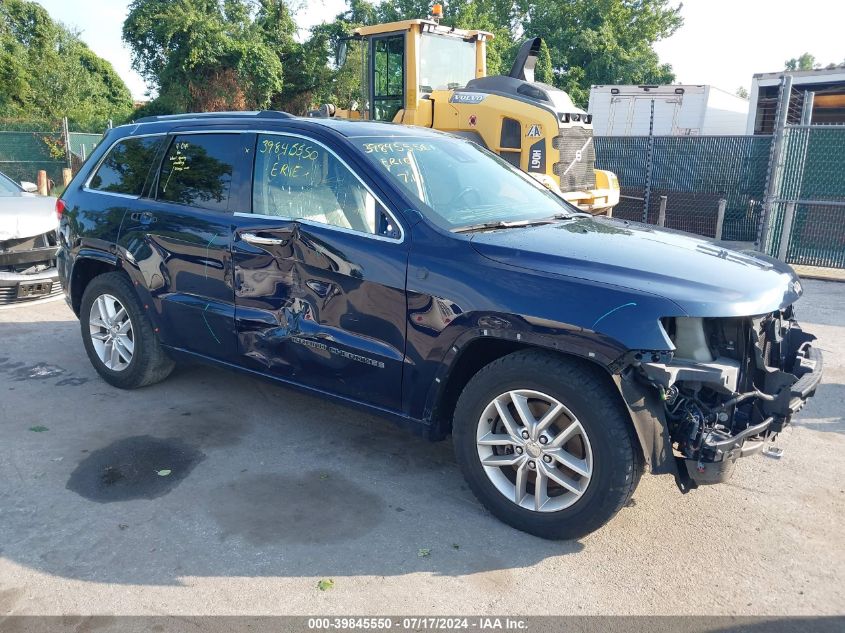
(252, 238)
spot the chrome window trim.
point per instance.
(110, 193)
(86, 186)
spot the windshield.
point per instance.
(460, 184)
(445, 62)
(7, 185)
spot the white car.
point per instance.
(28, 224)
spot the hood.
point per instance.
(702, 277)
(26, 215)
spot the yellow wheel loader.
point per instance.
(418, 72)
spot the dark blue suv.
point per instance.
(421, 277)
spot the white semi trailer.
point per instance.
(680, 110)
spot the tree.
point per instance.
(602, 41)
(545, 70)
(209, 55)
(47, 72)
(805, 61)
(742, 92)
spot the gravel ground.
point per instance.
(271, 491)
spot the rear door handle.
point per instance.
(252, 238)
(144, 217)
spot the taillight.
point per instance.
(60, 207)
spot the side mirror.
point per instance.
(29, 187)
(342, 52)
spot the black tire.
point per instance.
(149, 363)
(617, 458)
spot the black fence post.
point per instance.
(649, 164)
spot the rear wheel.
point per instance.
(118, 336)
(545, 444)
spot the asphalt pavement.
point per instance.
(215, 493)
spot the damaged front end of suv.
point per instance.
(726, 391)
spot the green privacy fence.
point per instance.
(809, 233)
(802, 182)
(23, 153)
(808, 213)
(693, 173)
(83, 143)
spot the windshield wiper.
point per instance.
(501, 224)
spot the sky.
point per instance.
(722, 43)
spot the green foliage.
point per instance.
(207, 55)
(544, 72)
(602, 41)
(47, 72)
(805, 61)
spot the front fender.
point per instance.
(516, 332)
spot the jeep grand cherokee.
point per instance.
(420, 277)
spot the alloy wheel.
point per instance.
(111, 332)
(534, 450)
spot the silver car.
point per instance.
(28, 225)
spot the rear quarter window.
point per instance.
(127, 165)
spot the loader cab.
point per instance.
(405, 62)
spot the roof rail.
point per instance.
(266, 114)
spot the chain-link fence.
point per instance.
(698, 184)
(782, 189)
(807, 222)
(23, 153)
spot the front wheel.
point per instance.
(546, 445)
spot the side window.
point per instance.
(297, 179)
(127, 166)
(389, 80)
(197, 170)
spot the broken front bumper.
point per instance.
(720, 452)
(695, 418)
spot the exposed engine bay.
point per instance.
(731, 385)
